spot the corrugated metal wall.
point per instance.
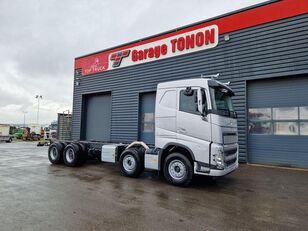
(271, 50)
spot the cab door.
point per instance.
(193, 128)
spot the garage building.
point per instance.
(261, 50)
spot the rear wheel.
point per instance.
(178, 170)
(9, 141)
(84, 154)
(72, 155)
(55, 153)
(131, 163)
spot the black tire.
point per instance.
(131, 162)
(82, 146)
(178, 170)
(65, 143)
(9, 141)
(72, 155)
(83, 155)
(55, 153)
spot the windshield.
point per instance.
(222, 102)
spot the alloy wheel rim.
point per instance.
(54, 153)
(129, 163)
(177, 169)
(70, 155)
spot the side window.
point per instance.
(189, 103)
(169, 99)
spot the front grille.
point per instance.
(230, 162)
(230, 152)
(229, 138)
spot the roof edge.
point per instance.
(184, 27)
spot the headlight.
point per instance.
(219, 158)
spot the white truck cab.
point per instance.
(197, 116)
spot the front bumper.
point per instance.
(227, 170)
(217, 172)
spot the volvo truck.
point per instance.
(195, 134)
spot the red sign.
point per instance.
(191, 39)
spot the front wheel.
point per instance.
(178, 170)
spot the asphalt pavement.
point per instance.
(35, 195)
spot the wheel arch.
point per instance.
(138, 145)
(176, 147)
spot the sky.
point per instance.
(39, 40)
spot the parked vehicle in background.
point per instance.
(53, 130)
(35, 129)
(195, 133)
(5, 133)
(53, 135)
(19, 134)
(46, 133)
(30, 136)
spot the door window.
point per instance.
(189, 102)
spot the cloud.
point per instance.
(40, 39)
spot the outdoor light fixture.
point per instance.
(24, 112)
(227, 37)
(77, 81)
(38, 97)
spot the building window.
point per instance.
(285, 113)
(304, 128)
(303, 112)
(278, 121)
(148, 122)
(285, 128)
(260, 114)
(259, 127)
(259, 121)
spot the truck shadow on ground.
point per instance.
(198, 182)
(95, 170)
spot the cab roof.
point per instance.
(184, 83)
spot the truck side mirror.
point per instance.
(188, 91)
(202, 103)
(199, 102)
(234, 114)
(205, 111)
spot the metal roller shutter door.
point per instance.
(278, 122)
(147, 117)
(97, 117)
